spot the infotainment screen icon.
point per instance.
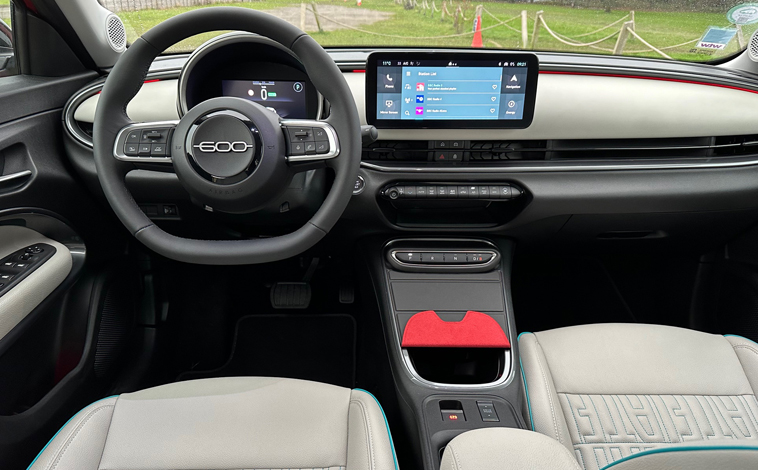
(451, 90)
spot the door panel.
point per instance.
(49, 321)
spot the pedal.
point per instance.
(347, 294)
(291, 295)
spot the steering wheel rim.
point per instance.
(126, 79)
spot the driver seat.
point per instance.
(228, 423)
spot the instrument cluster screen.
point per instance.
(287, 98)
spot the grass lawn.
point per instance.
(7, 20)
(661, 29)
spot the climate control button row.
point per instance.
(449, 191)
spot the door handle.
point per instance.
(14, 180)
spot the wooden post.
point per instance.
(456, 20)
(442, 13)
(536, 31)
(524, 32)
(302, 16)
(315, 15)
(741, 37)
(618, 49)
(434, 7)
(631, 18)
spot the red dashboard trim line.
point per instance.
(642, 77)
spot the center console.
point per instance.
(448, 323)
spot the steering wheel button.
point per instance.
(319, 134)
(297, 148)
(322, 147)
(310, 148)
(145, 149)
(300, 134)
(133, 137)
(158, 150)
(131, 149)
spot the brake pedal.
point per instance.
(291, 295)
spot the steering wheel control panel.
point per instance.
(146, 142)
(310, 140)
(18, 265)
(490, 191)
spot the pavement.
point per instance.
(356, 17)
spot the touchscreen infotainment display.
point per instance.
(447, 90)
(287, 98)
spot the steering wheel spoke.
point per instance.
(145, 142)
(310, 141)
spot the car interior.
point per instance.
(262, 252)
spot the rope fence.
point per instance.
(622, 29)
(627, 30)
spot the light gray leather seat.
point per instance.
(231, 423)
(644, 396)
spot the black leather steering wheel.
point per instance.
(231, 154)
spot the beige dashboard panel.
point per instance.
(567, 107)
(601, 107)
(156, 101)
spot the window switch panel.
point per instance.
(19, 264)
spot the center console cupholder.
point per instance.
(458, 366)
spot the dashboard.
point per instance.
(600, 149)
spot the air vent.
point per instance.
(474, 151)
(736, 146)
(630, 149)
(484, 150)
(400, 151)
(500, 152)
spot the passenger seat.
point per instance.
(643, 396)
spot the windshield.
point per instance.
(691, 30)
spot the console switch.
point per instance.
(433, 258)
(453, 416)
(487, 411)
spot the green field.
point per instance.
(661, 29)
(6, 2)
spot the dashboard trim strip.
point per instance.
(559, 168)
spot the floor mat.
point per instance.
(310, 347)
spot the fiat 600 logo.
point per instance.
(223, 147)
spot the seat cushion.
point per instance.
(612, 390)
(230, 423)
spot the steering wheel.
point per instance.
(230, 154)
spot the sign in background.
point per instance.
(747, 13)
(716, 38)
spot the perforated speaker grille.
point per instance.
(752, 48)
(116, 33)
